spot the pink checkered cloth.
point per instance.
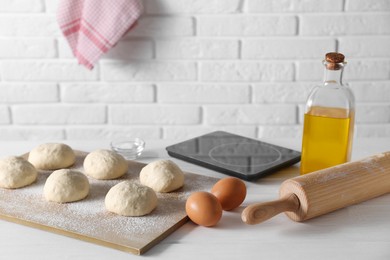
(92, 27)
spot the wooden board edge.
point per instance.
(78, 236)
(164, 235)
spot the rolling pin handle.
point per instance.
(260, 212)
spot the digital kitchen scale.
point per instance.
(234, 155)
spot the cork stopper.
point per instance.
(334, 60)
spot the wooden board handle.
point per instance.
(260, 212)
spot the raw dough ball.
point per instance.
(52, 156)
(162, 176)
(66, 186)
(16, 172)
(130, 199)
(105, 165)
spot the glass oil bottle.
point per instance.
(329, 120)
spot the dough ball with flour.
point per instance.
(162, 176)
(105, 165)
(128, 198)
(66, 185)
(52, 156)
(16, 172)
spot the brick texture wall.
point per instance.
(191, 67)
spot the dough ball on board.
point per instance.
(66, 186)
(162, 176)
(52, 156)
(128, 198)
(16, 172)
(105, 165)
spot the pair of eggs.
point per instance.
(205, 208)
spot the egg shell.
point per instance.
(203, 208)
(230, 192)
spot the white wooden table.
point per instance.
(357, 232)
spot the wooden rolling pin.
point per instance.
(324, 191)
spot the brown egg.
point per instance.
(203, 208)
(230, 192)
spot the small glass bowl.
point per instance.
(129, 149)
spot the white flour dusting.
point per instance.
(89, 218)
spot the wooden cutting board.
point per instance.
(88, 219)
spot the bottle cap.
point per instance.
(334, 57)
(334, 60)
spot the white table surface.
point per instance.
(358, 232)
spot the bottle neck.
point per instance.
(334, 75)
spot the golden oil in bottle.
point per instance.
(326, 138)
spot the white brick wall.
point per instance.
(107, 93)
(192, 7)
(50, 114)
(197, 49)
(246, 71)
(22, 6)
(15, 48)
(250, 114)
(190, 67)
(345, 24)
(286, 48)
(204, 93)
(28, 93)
(28, 25)
(154, 115)
(4, 115)
(294, 6)
(47, 70)
(246, 25)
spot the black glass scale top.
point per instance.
(235, 155)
